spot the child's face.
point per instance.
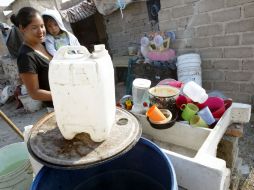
(53, 27)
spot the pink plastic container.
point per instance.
(181, 99)
(215, 104)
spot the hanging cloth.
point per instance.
(106, 7)
(79, 12)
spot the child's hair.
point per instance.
(46, 19)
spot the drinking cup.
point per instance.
(189, 110)
(197, 121)
(206, 115)
(155, 114)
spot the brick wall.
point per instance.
(124, 32)
(222, 31)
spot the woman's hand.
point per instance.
(32, 84)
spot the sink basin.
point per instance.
(193, 150)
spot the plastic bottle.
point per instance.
(83, 91)
(195, 92)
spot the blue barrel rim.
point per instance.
(145, 141)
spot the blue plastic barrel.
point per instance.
(145, 166)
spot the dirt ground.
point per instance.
(22, 118)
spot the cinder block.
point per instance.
(225, 40)
(239, 97)
(186, 33)
(228, 150)
(185, 50)
(238, 76)
(226, 15)
(226, 86)
(170, 3)
(236, 175)
(230, 3)
(249, 10)
(248, 88)
(227, 64)
(183, 22)
(248, 65)
(200, 19)
(168, 25)
(207, 64)
(207, 53)
(207, 85)
(164, 14)
(209, 30)
(182, 11)
(235, 130)
(199, 43)
(248, 38)
(179, 44)
(240, 26)
(238, 52)
(208, 5)
(213, 75)
(190, 1)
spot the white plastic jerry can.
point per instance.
(83, 91)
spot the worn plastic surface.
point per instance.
(145, 166)
(83, 91)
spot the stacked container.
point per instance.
(189, 68)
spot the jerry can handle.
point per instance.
(72, 52)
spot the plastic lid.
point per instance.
(99, 51)
(100, 47)
(203, 98)
(141, 83)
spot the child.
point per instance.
(57, 35)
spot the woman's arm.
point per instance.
(32, 84)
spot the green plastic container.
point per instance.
(15, 168)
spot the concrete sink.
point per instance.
(193, 150)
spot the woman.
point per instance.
(33, 59)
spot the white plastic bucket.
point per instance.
(188, 56)
(36, 166)
(193, 74)
(15, 168)
(189, 68)
(30, 104)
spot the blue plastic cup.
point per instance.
(206, 115)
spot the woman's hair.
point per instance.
(24, 16)
(13, 20)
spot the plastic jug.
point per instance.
(83, 91)
(195, 92)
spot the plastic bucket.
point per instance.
(192, 74)
(145, 166)
(30, 104)
(188, 57)
(15, 169)
(189, 68)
